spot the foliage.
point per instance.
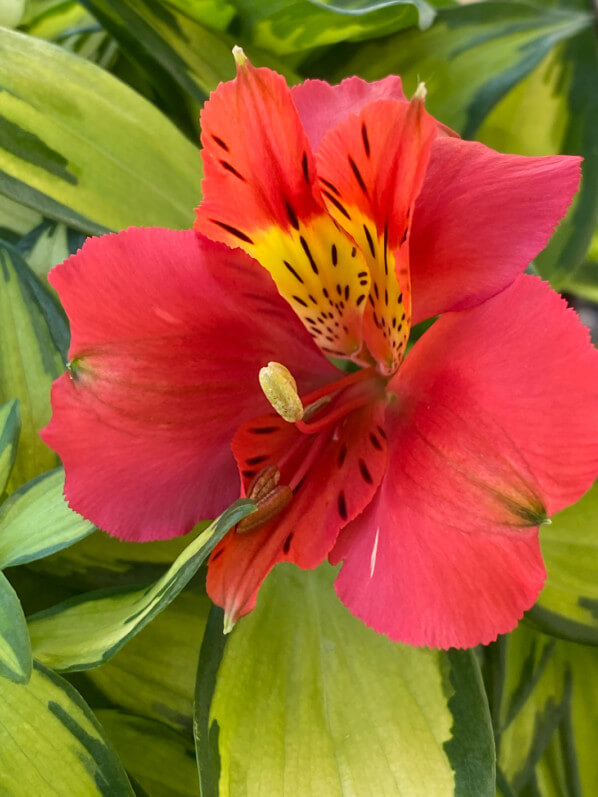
(98, 131)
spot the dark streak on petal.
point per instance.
(308, 254)
(365, 139)
(232, 230)
(293, 272)
(342, 505)
(230, 168)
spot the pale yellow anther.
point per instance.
(281, 391)
(420, 92)
(239, 56)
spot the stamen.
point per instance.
(268, 508)
(280, 389)
(263, 483)
(270, 497)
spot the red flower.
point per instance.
(426, 475)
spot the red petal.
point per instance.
(322, 106)
(479, 220)
(168, 334)
(371, 168)
(260, 195)
(496, 419)
(433, 585)
(257, 159)
(348, 464)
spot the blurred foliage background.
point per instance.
(99, 106)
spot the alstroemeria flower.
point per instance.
(425, 473)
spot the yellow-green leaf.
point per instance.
(50, 742)
(29, 361)
(36, 521)
(568, 604)
(310, 701)
(10, 426)
(15, 648)
(156, 757)
(88, 630)
(83, 148)
(154, 674)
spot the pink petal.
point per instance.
(322, 106)
(495, 423)
(480, 219)
(347, 466)
(169, 331)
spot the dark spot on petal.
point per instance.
(264, 429)
(292, 215)
(331, 186)
(337, 204)
(342, 505)
(357, 175)
(287, 543)
(220, 143)
(308, 254)
(365, 139)
(230, 168)
(369, 239)
(366, 475)
(381, 432)
(248, 474)
(257, 460)
(299, 301)
(341, 455)
(217, 555)
(293, 272)
(305, 167)
(360, 299)
(232, 230)
(375, 442)
(334, 255)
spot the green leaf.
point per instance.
(548, 716)
(29, 360)
(555, 110)
(289, 26)
(154, 674)
(157, 758)
(104, 159)
(16, 219)
(310, 701)
(36, 521)
(470, 58)
(206, 735)
(568, 604)
(196, 57)
(52, 743)
(572, 238)
(15, 648)
(98, 561)
(215, 13)
(10, 426)
(88, 630)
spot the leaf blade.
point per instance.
(86, 631)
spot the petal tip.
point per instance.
(240, 58)
(228, 624)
